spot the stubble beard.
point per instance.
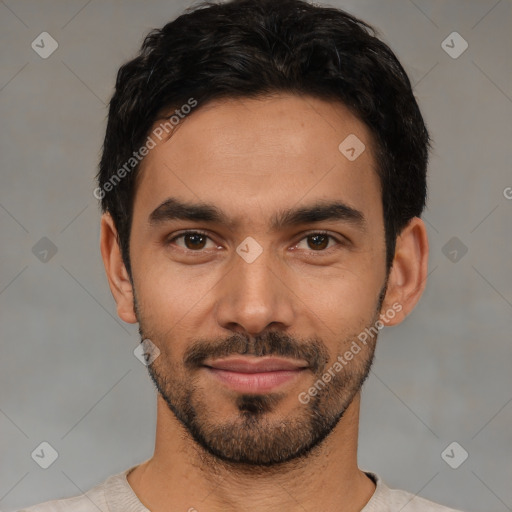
(256, 437)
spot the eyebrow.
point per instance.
(174, 209)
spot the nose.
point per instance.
(254, 297)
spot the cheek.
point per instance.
(170, 295)
(175, 298)
(341, 303)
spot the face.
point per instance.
(258, 259)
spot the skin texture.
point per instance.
(302, 298)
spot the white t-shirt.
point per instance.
(116, 495)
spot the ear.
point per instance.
(408, 275)
(118, 278)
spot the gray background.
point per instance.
(68, 373)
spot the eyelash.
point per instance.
(322, 233)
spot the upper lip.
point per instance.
(256, 364)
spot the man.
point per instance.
(262, 178)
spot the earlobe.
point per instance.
(118, 278)
(408, 275)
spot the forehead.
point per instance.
(254, 155)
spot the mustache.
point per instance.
(270, 343)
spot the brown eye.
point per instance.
(318, 241)
(192, 241)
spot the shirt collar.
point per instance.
(120, 497)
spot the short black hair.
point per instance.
(253, 48)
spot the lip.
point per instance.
(256, 364)
(255, 375)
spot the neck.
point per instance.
(182, 474)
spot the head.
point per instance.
(262, 178)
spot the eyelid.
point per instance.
(336, 236)
(189, 232)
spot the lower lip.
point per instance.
(254, 382)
